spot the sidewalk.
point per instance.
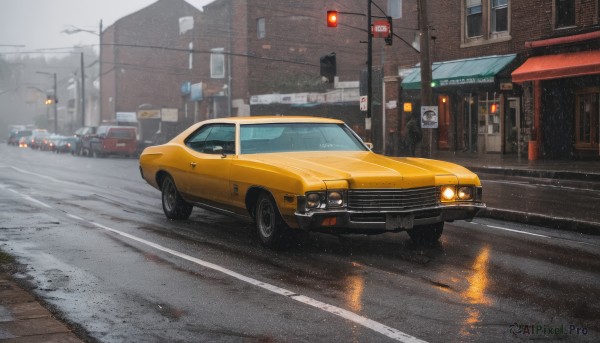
(24, 320)
(577, 174)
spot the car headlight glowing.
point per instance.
(465, 193)
(335, 199)
(313, 200)
(448, 193)
(452, 193)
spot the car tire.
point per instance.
(173, 204)
(426, 234)
(272, 231)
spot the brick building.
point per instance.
(514, 77)
(239, 57)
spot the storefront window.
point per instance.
(586, 121)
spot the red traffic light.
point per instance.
(332, 18)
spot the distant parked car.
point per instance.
(113, 140)
(84, 134)
(24, 141)
(49, 144)
(15, 136)
(67, 145)
(37, 138)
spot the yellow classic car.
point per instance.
(306, 173)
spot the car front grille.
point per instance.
(392, 199)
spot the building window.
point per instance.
(394, 9)
(474, 18)
(586, 120)
(217, 63)
(499, 15)
(260, 28)
(564, 13)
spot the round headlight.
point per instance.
(448, 193)
(335, 199)
(313, 200)
(465, 193)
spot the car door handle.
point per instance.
(193, 164)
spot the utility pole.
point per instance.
(82, 91)
(55, 105)
(426, 93)
(99, 74)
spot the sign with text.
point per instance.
(380, 28)
(429, 117)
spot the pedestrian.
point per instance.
(414, 135)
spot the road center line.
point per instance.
(340, 312)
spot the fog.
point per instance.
(40, 36)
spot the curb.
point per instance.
(546, 174)
(565, 224)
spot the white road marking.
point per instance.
(340, 312)
(507, 229)
(39, 175)
(30, 198)
(518, 231)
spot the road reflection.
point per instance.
(355, 285)
(475, 294)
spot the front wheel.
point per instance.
(173, 204)
(426, 234)
(271, 229)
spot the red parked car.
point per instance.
(113, 140)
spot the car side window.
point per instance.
(213, 139)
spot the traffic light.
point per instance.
(389, 38)
(332, 18)
(328, 66)
(50, 100)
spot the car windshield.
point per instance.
(288, 137)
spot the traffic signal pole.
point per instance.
(368, 132)
(425, 61)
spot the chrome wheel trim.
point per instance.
(266, 218)
(169, 194)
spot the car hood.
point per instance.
(369, 170)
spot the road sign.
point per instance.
(380, 28)
(363, 103)
(429, 117)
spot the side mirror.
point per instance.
(369, 145)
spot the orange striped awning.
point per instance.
(558, 66)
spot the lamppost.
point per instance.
(72, 30)
(54, 100)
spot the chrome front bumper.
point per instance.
(370, 221)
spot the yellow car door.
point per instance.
(213, 149)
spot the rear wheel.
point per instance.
(272, 230)
(426, 234)
(173, 204)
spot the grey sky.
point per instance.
(37, 24)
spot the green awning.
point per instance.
(460, 72)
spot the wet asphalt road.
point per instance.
(92, 240)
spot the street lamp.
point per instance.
(72, 30)
(55, 99)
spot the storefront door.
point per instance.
(489, 123)
(512, 126)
